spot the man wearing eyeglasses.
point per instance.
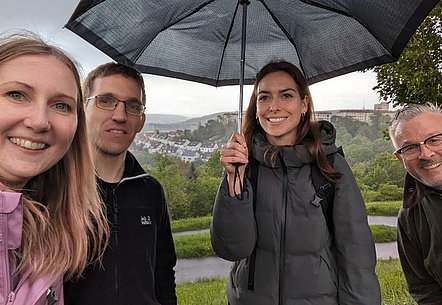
(416, 133)
(137, 266)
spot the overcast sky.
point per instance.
(166, 95)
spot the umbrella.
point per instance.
(205, 40)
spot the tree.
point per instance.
(173, 181)
(384, 169)
(202, 193)
(416, 77)
(213, 167)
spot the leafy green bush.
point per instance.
(383, 234)
(191, 224)
(384, 208)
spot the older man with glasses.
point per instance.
(137, 266)
(416, 133)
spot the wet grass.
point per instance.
(190, 224)
(383, 234)
(393, 285)
(207, 292)
(212, 292)
(198, 245)
(383, 208)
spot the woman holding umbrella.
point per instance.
(51, 218)
(285, 249)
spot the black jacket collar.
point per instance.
(414, 191)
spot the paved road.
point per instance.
(383, 220)
(193, 269)
(191, 232)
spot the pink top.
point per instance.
(43, 291)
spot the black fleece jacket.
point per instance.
(138, 264)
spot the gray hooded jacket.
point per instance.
(295, 260)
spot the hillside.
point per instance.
(169, 122)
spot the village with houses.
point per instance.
(173, 144)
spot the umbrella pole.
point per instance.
(244, 4)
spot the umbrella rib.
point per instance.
(226, 43)
(171, 24)
(284, 31)
(327, 8)
(345, 14)
(323, 7)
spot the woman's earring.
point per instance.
(257, 119)
(302, 116)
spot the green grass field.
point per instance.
(198, 245)
(212, 292)
(384, 208)
(383, 234)
(191, 224)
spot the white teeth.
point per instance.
(28, 144)
(432, 166)
(275, 120)
(116, 131)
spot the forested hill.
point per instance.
(169, 122)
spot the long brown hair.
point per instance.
(63, 221)
(307, 132)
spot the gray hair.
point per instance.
(409, 112)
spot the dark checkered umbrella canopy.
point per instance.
(200, 40)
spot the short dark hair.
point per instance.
(113, 68)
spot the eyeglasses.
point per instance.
(110, 103)
(411, 152)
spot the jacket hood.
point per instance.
(328, 137)
(297, 155)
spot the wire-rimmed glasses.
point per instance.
(106, 102)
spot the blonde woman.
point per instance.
(51, 217)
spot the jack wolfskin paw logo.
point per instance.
(145, 220)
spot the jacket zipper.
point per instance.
(116, 251)
(6, 274)
(282, 234)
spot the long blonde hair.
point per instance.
(64, 226)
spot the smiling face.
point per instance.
(38, 116)
(427, 168)
(112, 132)
(279, 107)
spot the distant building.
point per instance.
(154, 147)
(193, 146)
(382, 106)
(208, 147)
(323, 115)
(182, 143)
(190, 156)
(363, 115)
(206, 156)
(169, 150)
